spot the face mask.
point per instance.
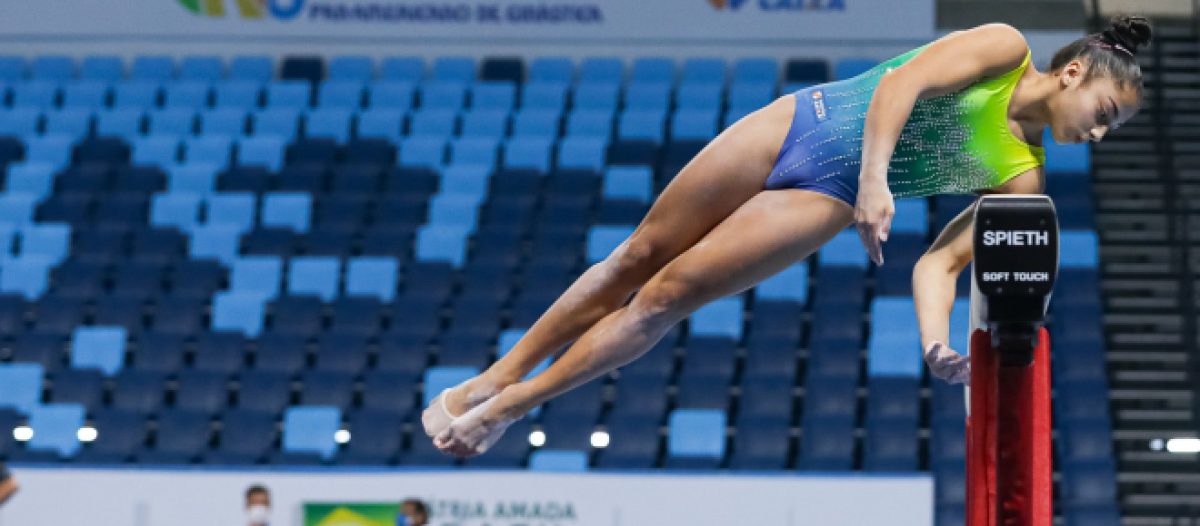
(258, 514)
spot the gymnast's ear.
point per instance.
(1072, 74)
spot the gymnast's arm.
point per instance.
(8, 485)
(949, 64)
(936, 273)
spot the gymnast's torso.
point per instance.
(956, 143)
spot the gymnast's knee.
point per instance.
(634, 260)
(666, 300)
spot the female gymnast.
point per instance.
(963, 114)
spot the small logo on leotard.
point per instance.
(818, 102)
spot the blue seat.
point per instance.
(760, 444)
(238, 311)
(122, 123)
(533, 122)
(694, 124)
(553, 69)
(139, 391)
(633, 443)
(186, 94)
(83, 387)
(751, 95)
(344, 354)
(791, 285)
(237, 94)
(310, 429)
(25, 275)
(409, 69)
(35, 94)
(755, 69)
(340, 94)
(227, 121)
(372, 276)
(653, 70)
(590, 123)
(157, 351)
(208, 68)
(246, 437)
(119, 434)
(215, 150)
(19, 122)
(314, 275)
(202, 391)
(192, 177)
(442, 243)
(453, 69)
(706, 70)
(696, 433)
(35, 179)
(233, 209)
(485, 123)
(329, 123)
(423, 152)
(152, 67)
(438, 379)
(847, 68)
(629, 182)
(722, 317)
(71, 122)
(477, 151)
(558, 461)
(16, 208)
(588, 153)
(1080, 249)
(391, 95)
(845, 249)
(265, 151)
(389, 390)
(20, 386)
(12, 68)
(442, 95)
(102, 348)
(135, 94)
(544, 96)
(171, 121)
(218, 242)
(827, 444)
(890, 446)
(53, 67)
(1092, 483)
(251, 67)
(52, 149)
(288, 94)
(653, 97)
(602, 240)
(1066, 159)
(263, 391)
(56, 428)
(257, 275)
(182, 436)
(279, 121)
(531, 153)
(351, 67)
(381, 123)
(642, 124)
(601, 70)
(287, 210)
(328, 388)
(493, 95)
(376, 438)
(108, 68)
(894, 344)
(281, 353)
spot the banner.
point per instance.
(576, 21)
(350, 514)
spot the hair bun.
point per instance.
(1131, 32)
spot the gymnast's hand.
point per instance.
(873, 213)
(948, 365)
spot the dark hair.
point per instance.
(257, 488)
(421, 507)
(1110, 53)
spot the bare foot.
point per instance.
(475, 431)
(453, 402)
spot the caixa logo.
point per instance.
(780, 5)
(251, 9)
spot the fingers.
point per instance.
(870, 241)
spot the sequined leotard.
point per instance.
(956, 143)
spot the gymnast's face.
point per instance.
(1088, 110)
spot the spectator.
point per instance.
(413, 512)
(258, 506)
(8, 485)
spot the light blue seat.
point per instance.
(705, 70)
(1066, 159)
(123, 123)
(590, 123)
(652, 69)
(960, 320)
(37, 94)
(851, 67)
(474, 151)
(597, 97)
(443, 95)
(173, 121)
(629, 182)
(252, 67)
(694, 125)
(790, 284)
(287, 210)
(509, 339)
(278, 121)
(528, 153)
(266, 151)
(329, 123)
(207, 68)
(49, 240)
(583, 153)
(139, 94)
(912, 217)
(351, 67)
(649, 97)
(372, 276)
(261, 275)
(72, 122)
(465, 180)
(1078, 249)
(19, 122)
(696, 433)
(699, 97)
(751, 94)
(459, 210)
(408, 69)
(844, 250)
(233, 209)
(552, 69)
(199, 178)
(391, 94)
(187, 94)
(12, 68)
(28, 276)
(602, 240)
(756, 69)
(31, 178)
(547, 95)
(56, 428)
(894, 346)
(381, 124)
(607, 70)
(219, 242)
(16, 208)
(485, 123)
(21, 385)
(722, 318)
(423, 151)
(156, 150)
(214, 149)
(434, 122)
(228, 122)
(558, 461)
(643, 125)
(176, 209)
(52, 149)
(438, 379)
(345, 94)
(85, 94)
(494, 95)
(107, 68)
(310, 429)
(238, 311)
(314, 276)
(241, 94)
(294, 94)
(542, 123)
(442, 243)
(154, 67)
(100, 348)
(453, 69)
